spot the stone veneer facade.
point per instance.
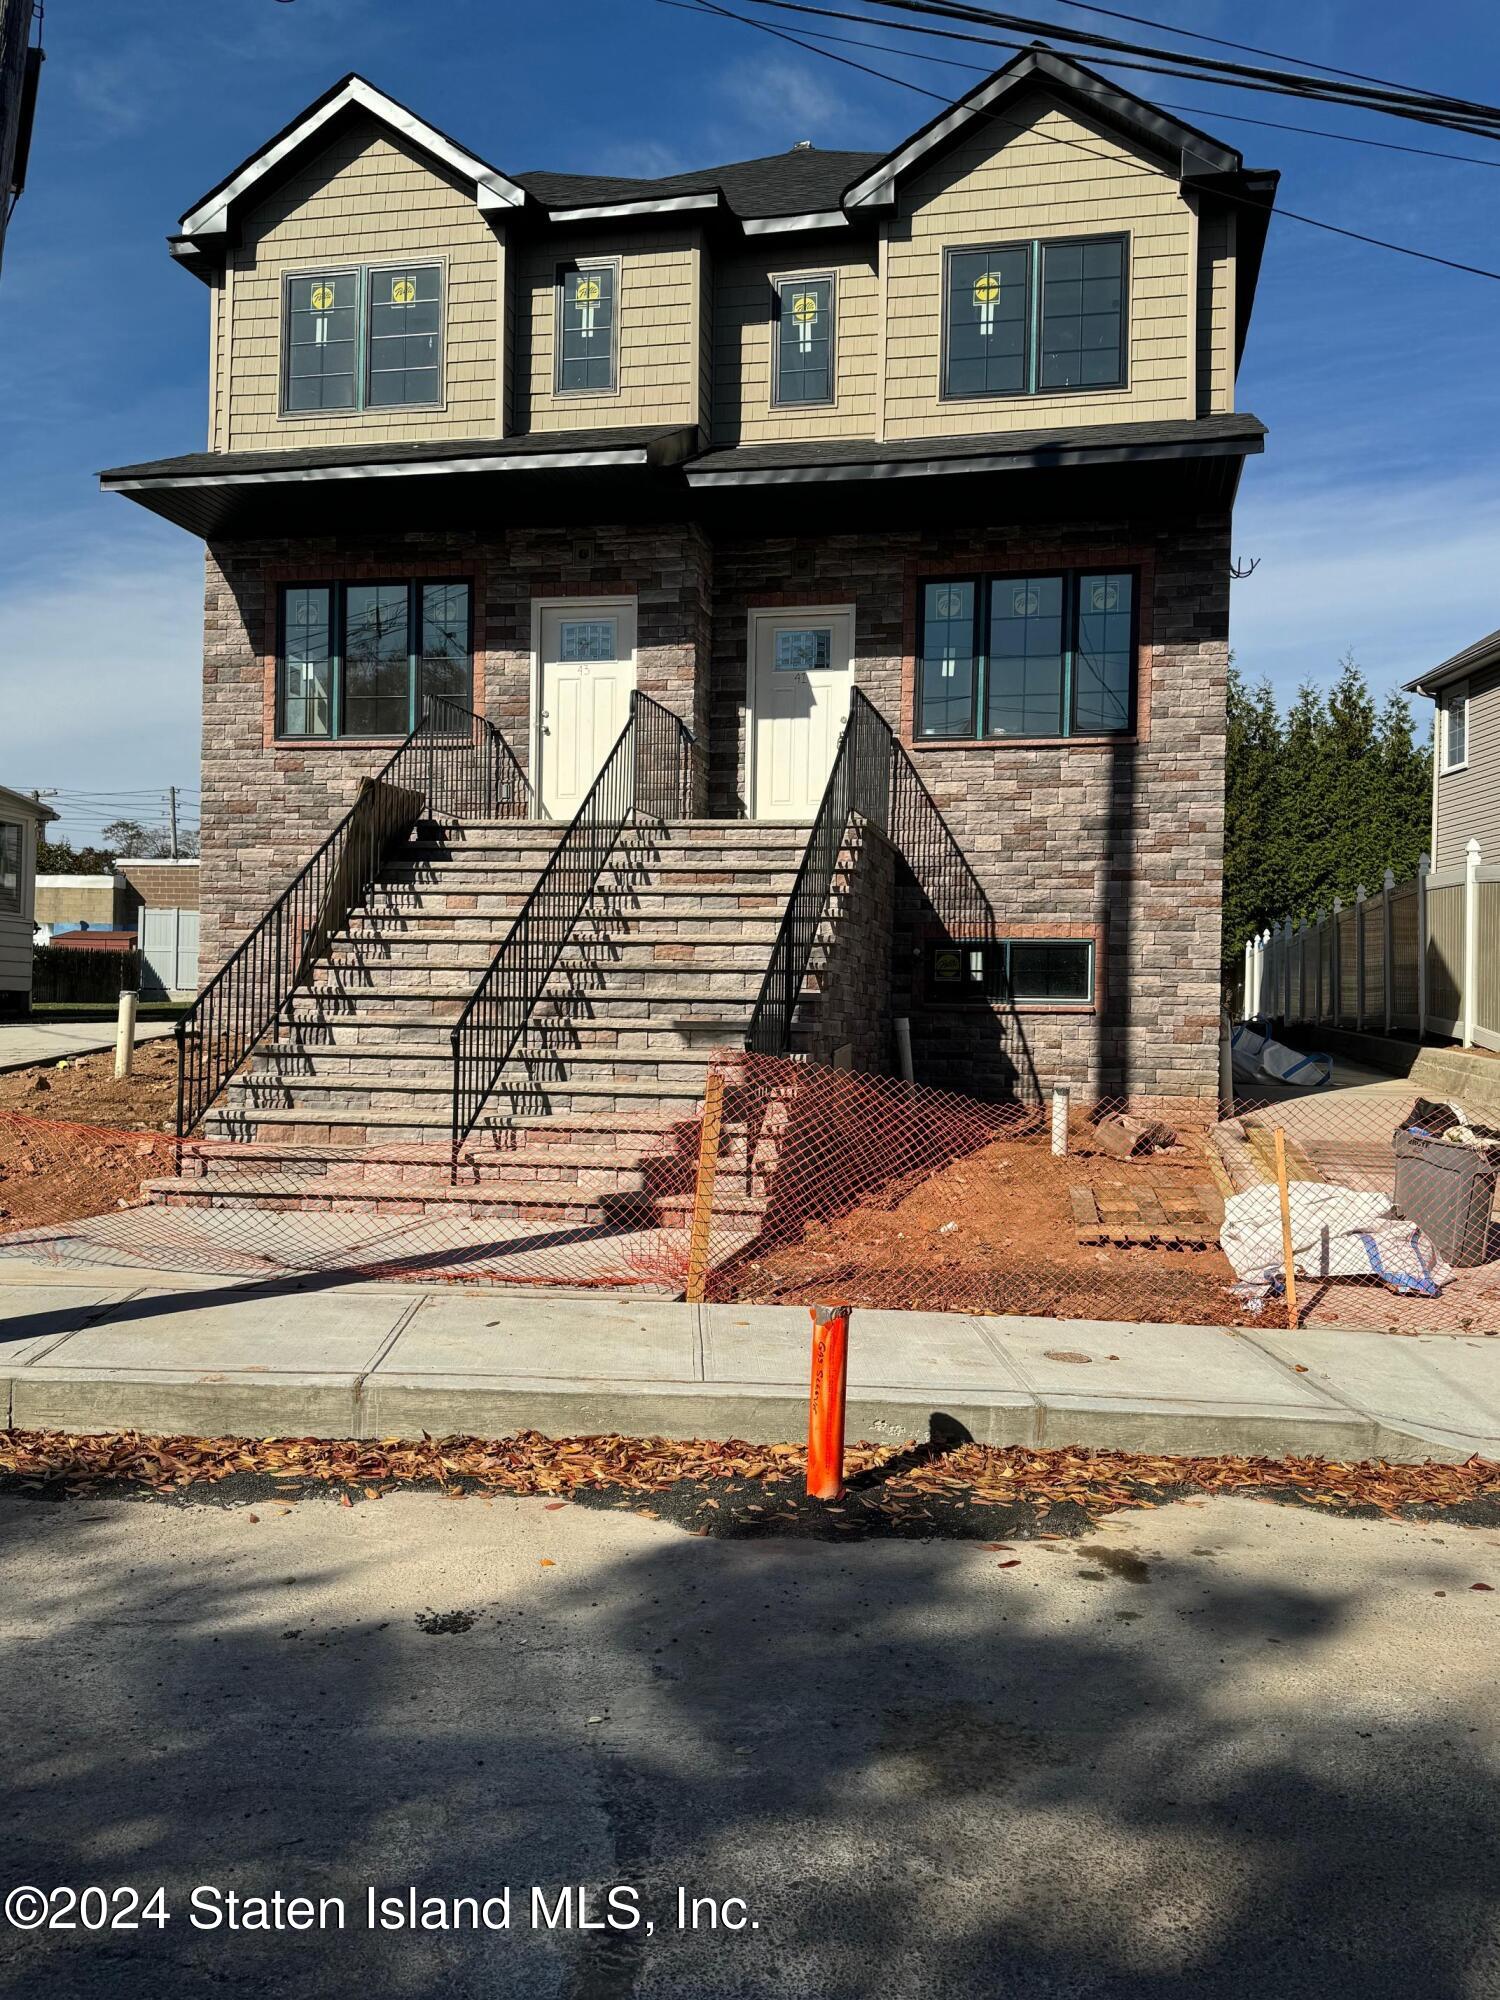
(1119, 840)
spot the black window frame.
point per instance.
(1036, 248)
(337, 589)
(983, 583)
(779, 286)
(986, 976)
(577, 265)
(362, 274)
(9, 903)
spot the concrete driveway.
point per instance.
(1220, 1749)
(40, 1039)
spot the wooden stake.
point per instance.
(703, 1192)
(1287, 1257)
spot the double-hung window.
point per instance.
(1453, 727)
(362, 659)
(802, 370)
(587, 326)
(1024, 656)
(366, 338)
(1027, 319)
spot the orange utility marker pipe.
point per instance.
(825, 1409)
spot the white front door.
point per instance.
(586, 670)
(801, 674)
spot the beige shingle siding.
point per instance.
(1215, 361)
(1055, 176)
(657, 362)
(368, 198)
(1468, 801)
(743, 337)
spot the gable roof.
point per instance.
(803, 188)
(1475, 658)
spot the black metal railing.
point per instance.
(872, 778)
(648, 775)
(860, 782)
(453, 765)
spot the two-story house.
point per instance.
(943, 439)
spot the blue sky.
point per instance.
(1375, 513)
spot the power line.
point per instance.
(709, 7)
(1169, 62)
(1196, 110)
(1400, 100)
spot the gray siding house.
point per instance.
(1466, 751)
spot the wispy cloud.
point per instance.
(1401, 574)
(638, 159)
(780, 101)
(102, 668)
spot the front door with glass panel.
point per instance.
(587, 670)
(800, 678)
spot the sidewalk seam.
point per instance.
(357, 1387)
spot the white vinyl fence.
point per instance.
(1414, 958)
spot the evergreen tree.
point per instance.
(1318, 802)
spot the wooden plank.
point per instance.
(1081, 1201)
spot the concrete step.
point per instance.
(521, 1088)
(650, 894)
(572, 999)
(623, 1201)
(429, 1066)
(670, 923)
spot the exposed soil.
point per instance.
(993, 1232)
(75, 1142)
(83, 1089)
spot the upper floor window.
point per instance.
(1453, 727)
(367, 338)
(586, 328)
(10, 865)
(1017, 656)
(361, 659)
(1023, 319)
(803, 368)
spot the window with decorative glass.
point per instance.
(803, 370)
(586, 325)
(1023, 319)
(1026, 971)
(361, 659)
(1027, 656)
(367, 338)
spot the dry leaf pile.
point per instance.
(750, 1487)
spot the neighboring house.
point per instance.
(20, 71)
(951, 425)
(21, 822)
(1465, 751)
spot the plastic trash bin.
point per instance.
(1448, 1191)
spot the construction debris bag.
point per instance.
(1337, 1232)
(1292, 1066)
(1244, 1053)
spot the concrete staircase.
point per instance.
(350, 1103)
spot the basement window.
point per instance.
(1026, 971)
(362, 659)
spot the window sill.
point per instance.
(1081, 1007)
(379, 410)
(337, 742)
(920, 743)
(1452, 770)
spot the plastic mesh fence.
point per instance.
(796, 1183)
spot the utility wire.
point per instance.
(708, 7)
(1211, 112)
(1403, 101)
(1170, 62)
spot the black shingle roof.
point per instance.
(804, 181)
(658, 443)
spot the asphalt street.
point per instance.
(1222, 1748)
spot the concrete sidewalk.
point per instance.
(315, 1357)
(40, 1040)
